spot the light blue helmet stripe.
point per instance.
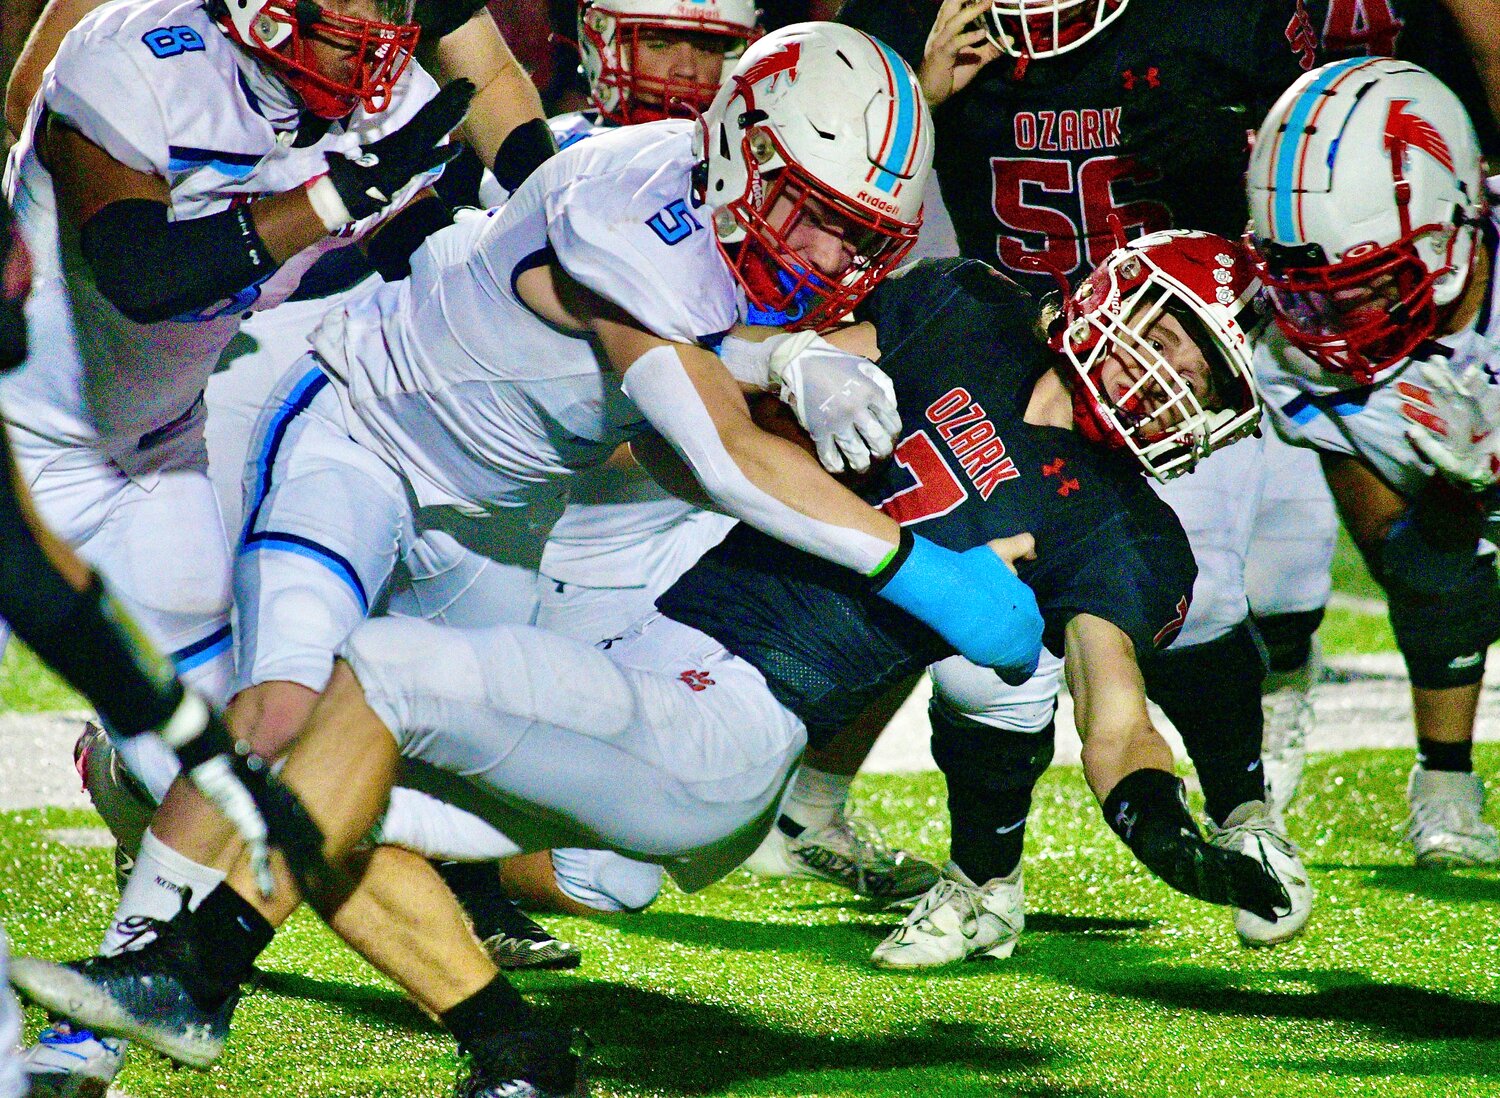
(1282, 218)
(906, 121)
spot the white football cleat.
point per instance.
(846, 852)
(1254, 830)
(69, 1062)
(955, 920)
(1288, 721)
(1445, 827)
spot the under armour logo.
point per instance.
(1066, 485)
(1152, 79)
(1125, 820)
(696, 680)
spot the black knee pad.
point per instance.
(981, 756)
(1288, 637)
(1443, 638)
(1199, 678)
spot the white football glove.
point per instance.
(844, 401)
(1452, 421)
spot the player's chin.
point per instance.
(772, 415)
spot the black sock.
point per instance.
(1211, 692)
(494, 1009)
(225, 935)
(991, 773)
(477, 886)
(1434, 755)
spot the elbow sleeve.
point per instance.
(153, 269)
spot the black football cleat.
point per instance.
(136, 995)
(536, 1063)
(517, 941)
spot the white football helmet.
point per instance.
(609, 40)
(820, 134)
(279, 33)
(1364, 196)
(1127, 392)
(1046, 28)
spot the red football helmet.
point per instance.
(614, 35)
(1158, 338)
(279, 34)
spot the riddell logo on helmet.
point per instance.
(782, 60)
(875, 201)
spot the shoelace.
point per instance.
(1265, 834)
(135, 930)
(937, 897)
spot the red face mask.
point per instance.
(375, 54)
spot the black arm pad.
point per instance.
(152, 269)
(390, 248)
(524, 150)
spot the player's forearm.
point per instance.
(506, 98)
(1109, 754)
(57, 18)
(757, 477)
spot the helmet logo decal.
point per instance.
(772, 65)
(1403, 129)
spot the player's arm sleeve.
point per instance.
(1141, 587)
(749, 473)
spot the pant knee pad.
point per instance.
(1444, 638)
(1288, 637)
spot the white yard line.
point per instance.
(1366, 705)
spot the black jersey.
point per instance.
(957, 341)
(1147, 122)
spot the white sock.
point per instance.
(817, 798)
(155, 891)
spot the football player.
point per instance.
(64, 611)
(698, 713)
(1136, 139)
(1372, 229)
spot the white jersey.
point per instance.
(478, 402)
(1332, 413)
(614, 516)
(160, 88)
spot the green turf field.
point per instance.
(1119, 987)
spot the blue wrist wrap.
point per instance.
(975, 602)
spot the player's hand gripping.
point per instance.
(843, 400)
(367, 181)
(240, 785)
(956, 50)
(1148, 810)
(1451, 422)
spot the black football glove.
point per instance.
(1148, 810)
(440, 18)
(366, 183)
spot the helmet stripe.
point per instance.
(1291, 147)
(900, 149)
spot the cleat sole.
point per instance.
(74, 996)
